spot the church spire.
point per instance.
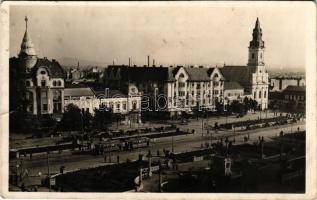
(27, 47)
(257, 41)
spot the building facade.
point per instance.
(88, 99)
(43, 79)
(177, 89)
(278, 84)
(254, 77)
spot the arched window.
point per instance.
(59, 83)
(54, 83)
(43, 72)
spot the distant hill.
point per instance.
(286, 72)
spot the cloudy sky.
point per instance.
(174, 33)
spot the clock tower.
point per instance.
(259, 80)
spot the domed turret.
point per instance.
(27, 53)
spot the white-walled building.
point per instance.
(88, 100)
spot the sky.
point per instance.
(171, 33)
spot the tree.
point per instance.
(72, 119)
(246, 103)
(102, 118)
(87, 120)
(237, 107)
(219, 107)
(253, 105)
(22, 122)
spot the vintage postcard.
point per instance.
(158, 100)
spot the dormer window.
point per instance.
(43, 72)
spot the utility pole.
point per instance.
(48, 170)
(173, 143)
(160, 176)
(202, 127)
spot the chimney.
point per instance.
(148, 61)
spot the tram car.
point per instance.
(137, 143)
(108, 146)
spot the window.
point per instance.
(45, 107)
(181, 93)
(229, 94)
(181, 84)
(264, 94)
(260, 93)
(118, 106)
(44, 94)
(43, 72)
(87, 110)
(254, 95)
(43, 83)
(252, 55)
(59, 83)
(27, 83)
(261, 55)
(54, 83)
(134, 105)
(124, 106)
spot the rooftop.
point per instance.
(295, 88)
(232, 85)
(198, 74)
(78, 92)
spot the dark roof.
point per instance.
(55, 70)
(78, 92)
(240, 74)
(232, 85)
(292, 88)
(112, 93)
(198, 74)
(135, 73)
